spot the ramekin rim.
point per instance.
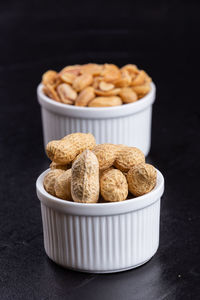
(68, 107)
(154, 194)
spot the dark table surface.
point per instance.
(162, 38)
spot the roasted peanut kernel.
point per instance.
(107, 80)
(93, 69)
(105, 101)
(67, 77)
(125, 79)
(141, 179)
(110, 73)
(49, 77)
(67, 93)
(85, 96)
(82, 82)
(76, 69)
(49, 90)
(140, 79)
(148, 79)
(105, 86)
(142, 90)
(128, 95)
(96, 81)
(132, 70)
(112, 92)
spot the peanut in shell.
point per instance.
(113, 186)
(85, 178)
(63, 186)
(106, 155)
(64, 151)
(54, 165)
(141, 179)
(128, 157)
(49, 180)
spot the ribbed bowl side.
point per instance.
(131, 130)
(101, 243)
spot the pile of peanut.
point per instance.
(84, 172)
(96, 85)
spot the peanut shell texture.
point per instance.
(141, 179)
(113, 186)
(65, 150)
(106, 155)
(128, 157)
(49, 180)
(54, 165)
(63, 186)
(85, 178)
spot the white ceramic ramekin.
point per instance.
(104, 237)
(128, 124)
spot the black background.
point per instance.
(160, 37)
